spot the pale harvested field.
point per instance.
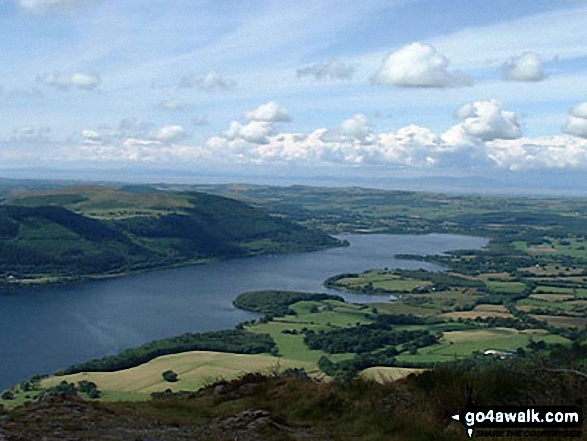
(564, 322)
(494, 276)
(552, 297)
(482, 311)
(195, 370)
(382, 374)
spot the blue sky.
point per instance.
(425, 87)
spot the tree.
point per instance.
(170, 376)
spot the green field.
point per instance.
(506, 287)
(330, 314)
(378, 281)
(462, 344)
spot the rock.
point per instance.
(260, 423)
(221, 389)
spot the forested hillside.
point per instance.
(68, 233)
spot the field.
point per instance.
(483, 311)
(462, 344)
(385, 375)
(564, 322)
(525, 294)
(379, 281)
(315, 316)
(195, 370)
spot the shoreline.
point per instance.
(47, 281)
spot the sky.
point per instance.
(342, 89)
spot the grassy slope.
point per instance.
(100, 230)
(195, 370)
(383, 374)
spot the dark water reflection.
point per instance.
(42, 330)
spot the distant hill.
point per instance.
(69, 233)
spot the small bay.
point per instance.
(45, 329)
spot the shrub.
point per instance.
(170, 376)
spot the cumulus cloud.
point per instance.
(418, 65)
(173, 133)
(78, 80)
(174, 105)
(526, 67)
(211, 81)
(489, 120)
(488, 136)
(256, 132)
(577, 122)
(554, 152)
(91, 136)
(269, 112)
(355, 129)
(42, 6)
(331, 70)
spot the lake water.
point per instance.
(45, 329)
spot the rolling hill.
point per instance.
(64, 234)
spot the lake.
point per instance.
(45, 329)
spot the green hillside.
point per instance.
(62, 234)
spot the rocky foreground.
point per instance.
(296, 407)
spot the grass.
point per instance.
(564, 322)
(330, 314)
(552, 298)
(545, 289)
(506, 287)
(379, 280)
(195, 370)
(399, 307)
(461, 344)
(483, 311)
(382, 374)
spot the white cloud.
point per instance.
(91, 136)
(256, 132)
(331, 70)
(173, 133)
(42, 6)
(269, 112)
(79, 80)
(526, 67)
(554, 152)
(211, 81)
(418, 65)
(579, 110)
(174, 105)
(489, 137)
(488, 120)
(577, 122)
(358, 127)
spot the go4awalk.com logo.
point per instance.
(549, 419)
